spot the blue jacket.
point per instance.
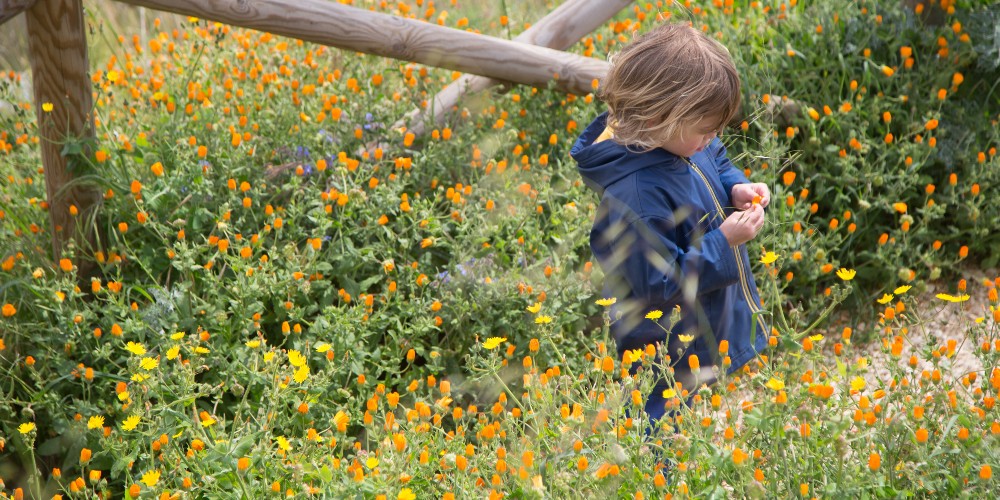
(656, 238)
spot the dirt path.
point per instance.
(940, 322)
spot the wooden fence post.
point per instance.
(352, 28)
(559, 30)
(58, 50)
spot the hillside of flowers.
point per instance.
(289, 294)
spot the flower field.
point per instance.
(288, 295)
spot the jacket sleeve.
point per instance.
(728, 173)
(658, 269)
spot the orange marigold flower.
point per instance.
(874, 461)
(788, 178)
(693, 362)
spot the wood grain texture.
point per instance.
(559, 30)
(11, 8)
(58, 51)
(351, 28)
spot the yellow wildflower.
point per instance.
(131, 422)
(769, 258)
(657, 314)
(846, 274)
(952, 298)
(151, 478)
(494, 342)
(631, 356)
(858, 383)
(296, 358)
(95, 422)
(134, 348)
(149, 364)
(283, 443)
(301, 374)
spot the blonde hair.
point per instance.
(671, 77)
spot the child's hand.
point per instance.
(743, 195)
(741, 227)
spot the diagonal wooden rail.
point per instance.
(11, 8)
(560, 29)
(351, 28)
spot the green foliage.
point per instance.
(290, 293)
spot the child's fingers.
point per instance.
(761, 190)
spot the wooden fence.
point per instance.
(59, 66)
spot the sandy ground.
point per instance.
(939, 322)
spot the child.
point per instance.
(674, 212)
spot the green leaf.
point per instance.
(72, 148)
(326, 474)
(50, 446)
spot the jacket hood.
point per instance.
(607, 162)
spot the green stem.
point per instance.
(33, 480)
(507, 390)
(822, 317)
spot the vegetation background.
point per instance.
(280, 306)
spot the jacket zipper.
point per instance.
(754, 306)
